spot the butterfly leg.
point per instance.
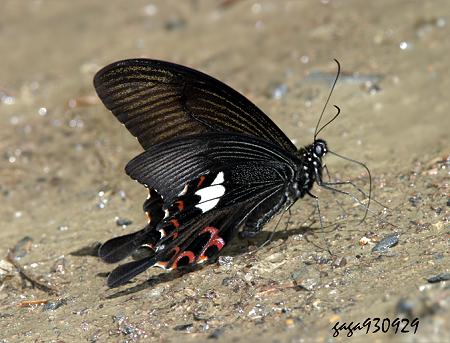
(262, 214)
(317, 206)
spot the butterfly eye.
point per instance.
(318, 149)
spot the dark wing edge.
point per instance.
(158, 101)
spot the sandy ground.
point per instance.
(62, 184)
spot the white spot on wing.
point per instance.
(184, 191)
(210, 196)
(218, 180)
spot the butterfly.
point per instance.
(214, 164)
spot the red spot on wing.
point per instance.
(180, 205)
(189, 254)
(200, 181)
(214, 240)
(161, 264)
(175, 223)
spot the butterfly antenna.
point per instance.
(368, 173)
(316, 131)
(330, 121)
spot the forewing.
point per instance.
(158, 101)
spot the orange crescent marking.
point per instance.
(188, 254)
(175, 223)
(161, 264)
(200, 182)
(180, 205)
(214, 239)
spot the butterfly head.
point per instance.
(318, 149)
(314, 154)
(311, 160)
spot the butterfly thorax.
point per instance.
(310, 166)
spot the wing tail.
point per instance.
(125, 272)
(118, 248)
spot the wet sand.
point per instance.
(62, 183)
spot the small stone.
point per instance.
(175, 23)
(387, 242)
(439, 278)
(22, 247)
(405, 307)
(123, 222)
(225, 261)
(306, 278)
(339, 262)
(279, 91)
(364, 241)
(415, 200)
(59, 266)
(53, 305)
(184, 327)
(63, 228)
(275, 258)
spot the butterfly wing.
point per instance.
(158, 101)
(247, 164)
(217, 182)
(197, 241)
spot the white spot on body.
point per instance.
(166, 213)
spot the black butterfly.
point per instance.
(213, 163)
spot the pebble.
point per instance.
(387, 242)
(306, 278)
(22, 247)
(53, 305)
(184, 327)
(225, 261)
(279, 91)
(439, 278)
(123, 222)
(277, 257)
